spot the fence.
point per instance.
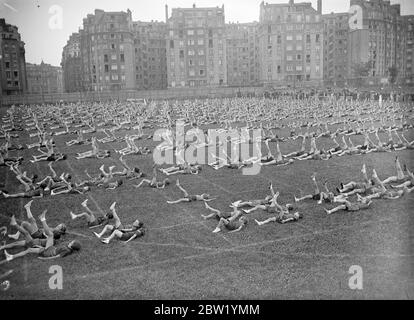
(175, 93)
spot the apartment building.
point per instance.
(243, 63)
(196, 47)
(12, 61)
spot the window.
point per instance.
(317, 38)
(308, 58)
(8, 74)
(289, 37)
(200, 32)
(210, 43)
(105, 58)
(122, 57)
(279, 39)
(114, 67)
(299, 37)
(289, 48)
(191, 52)
(298, 68)
(106, 68)
(114, 77)
(113, 57)
(308, 38)
(299, 57)
(200, 42)
(121, 47)
(289, 58)
(191, 72)
(113, 46)
(7, 65)
(190, 42)
(15, 74)
(201, 52)
(171, 44)
(201, 72)
(190, 32)
(278, 69)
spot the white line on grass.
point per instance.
(224, 250)
(192, 217)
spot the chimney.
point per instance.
(291, 2)
(194, 5)
(166, 13)
(319, 6)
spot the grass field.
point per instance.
(180, 258)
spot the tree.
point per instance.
(392, 74)
(361, 70)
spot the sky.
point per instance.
(45, 37)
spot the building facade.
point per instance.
(196, 47)
(291, 44)
(407, 76)
(243, 63)
(44, 78)
(12, 61)
(150, 55)
(378, 42)
(106, 43)
(335, 49)
(72, 65)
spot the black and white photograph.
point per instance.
(217, 153)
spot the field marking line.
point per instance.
(89, 195)
(192, 217)
(219, 251)
(216, 185)
(333, 255)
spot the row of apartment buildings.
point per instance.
(17, 76)
(292, 44)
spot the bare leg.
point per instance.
(104, 230)
(114, 234)
(260, 223)
(309, 196)
(338, 208)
